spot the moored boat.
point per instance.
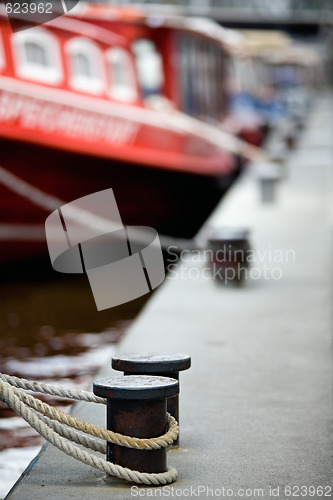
(108, 98)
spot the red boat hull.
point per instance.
(172, 202)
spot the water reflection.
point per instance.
(51, 331)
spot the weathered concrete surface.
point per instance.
(256, 406)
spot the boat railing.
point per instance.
(289, 10)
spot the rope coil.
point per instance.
(60, 429)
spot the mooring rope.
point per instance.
(61, 429)
(54, 390)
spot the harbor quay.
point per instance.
(255, 408)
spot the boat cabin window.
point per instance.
(85, 65)
(287, 75)
(121, 74)
(37, 56)
(149, 66)
(201, 77)
(2, 54)
(82, 65)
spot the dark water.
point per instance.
(50, 330)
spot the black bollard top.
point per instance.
(151, 362)
(136, 387)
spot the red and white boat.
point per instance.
(105, 97)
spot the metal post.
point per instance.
(230, 248)
(269, 175)
(165, 365)
(136, 407)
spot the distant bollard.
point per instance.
(136, 407)
(229, 251)
(153, 363)
(279, 158)
(291, 137)
(300, 123)
(268, 174)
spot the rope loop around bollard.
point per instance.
(61, 429)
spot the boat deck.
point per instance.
(256, 405)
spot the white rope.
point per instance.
(54, 390)
(60, 429)
(73, 435)
(94, 430)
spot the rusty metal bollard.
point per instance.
(230, 248)
(136, 407)
(269, 175)
(166, 365)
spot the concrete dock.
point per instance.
(256, 405)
